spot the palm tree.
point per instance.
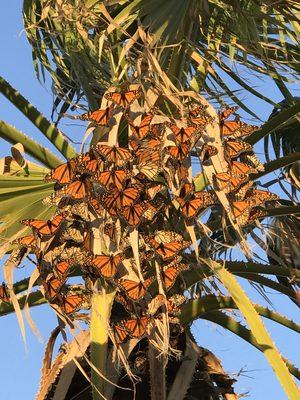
(180, 53)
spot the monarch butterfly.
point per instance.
(227, 112)
(78, 253)
(148, 156)
(114, 155)
(79, 189)
(253, 161)
(100, 117)
(72, 233)
(45, 228)
(238, 168)
(207, 151)
(169, 248)
(123, 99)
(64, 173)
(133, 213)
(172, 304)
(96, 206)
(150, 169)
(136, 327)
(61, 269)
(120, 333)
(107, 266)
(27, 241)
(191, 207)
(4, 295)
(170, 274)
(79, 210)
(152, 210)
(179, 152)
(71, 303)
(127, 304)
(167, 236)
(109, 179)
(228, 183)
(157, 130)
(241, 211)
(198, 116)
(242, 190)
(234, 148)
(152, 189)
(155, 303)
(111, 231)
(135, 290)
(143, 129)
(52, 286)
(259, 197)
(256, 213)
(117, 199)
(88, 163)
(183, 134)
(236, 129)
(187, 189)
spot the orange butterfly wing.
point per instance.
(123, 99)
(115, 177)
(143, 129)
(179, 152)
(227, 112)
(166, 250)
(135, 290)
(183, 134)
(234, 148)
(136, 327)
(133, 214)
(26, 241)
(237, 129)
(207, 152)
(62, 269)
(120, 333)
(239, 168)
(115, 155)
(88, 163)
(107, 266)
(190, 208)
(80, 189)
(44, 228)
(64, 173)
(121, 198)
(226, 182)
(170, 274)
(241, 211)
(101, 117)
(52, 286)
(71, 303)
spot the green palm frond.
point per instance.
(192, 40)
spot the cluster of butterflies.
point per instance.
(136, 188)
(247, 203)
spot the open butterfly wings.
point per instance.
(123, 99)
(101, 117)
(107, 266)
(135, 290)
(45, 228)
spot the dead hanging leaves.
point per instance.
(139, 199)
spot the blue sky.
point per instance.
(20, 376)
